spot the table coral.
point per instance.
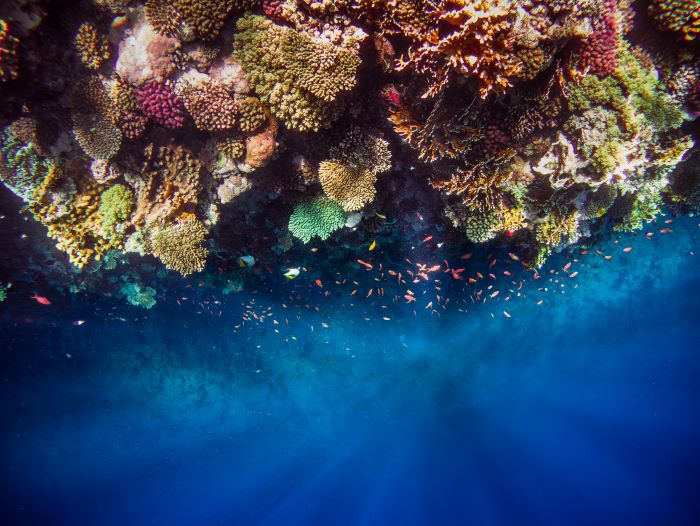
(180, 245)
(319, 217)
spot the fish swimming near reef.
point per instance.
(41, 299)
(246, 261)
(291, 273)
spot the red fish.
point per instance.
(318, 283)
(41, 299)
(366, 265)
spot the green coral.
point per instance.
(642, 208)
(481, 227)
(3, 292)
(116, 204)
(138, 295)
(320, 217)
(180, 246)
(298, 75)
(22, 169)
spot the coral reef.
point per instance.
(150, 125)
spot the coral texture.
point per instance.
(159, 103)
(317, 218)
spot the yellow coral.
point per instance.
(92, 47)
(180, 246)
(352, 188)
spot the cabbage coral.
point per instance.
(298, 75)
(319, 217)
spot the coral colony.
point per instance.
(132, 125)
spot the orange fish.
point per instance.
(409, 298)
(427, 238)
(567, 266)
(573, 274)
(513, 256)
(471, 280)
(466, 256)
(494, 294)
(318, 283)
(366, 265)
(369, 293)
(627, 249)
(353, 292)
(434, 268)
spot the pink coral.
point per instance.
(159, 103)
(273, 10)
(597, 53)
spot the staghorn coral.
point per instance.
(180, 245)
(92, 47)
(159, 103)
(298, 75)
(319, 217)
(8, 53)
(678, 16)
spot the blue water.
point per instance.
(580, 410)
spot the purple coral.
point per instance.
(159, 103)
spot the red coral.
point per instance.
(597, 53)
(273, 10)
(160, 104)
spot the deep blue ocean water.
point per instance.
(582, 409)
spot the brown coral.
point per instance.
(94, 118)
(130, 118)
(352, 188)
(250, 114)
(210, 106)
(92, 47)
(168, 184)
(180, 246)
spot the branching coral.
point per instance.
(319, 217)
(130, 119)
(180, 246)
(209, 104)
(596, 54)
(298, 75)
(679, 16)
(92, 47)
(116, 204)
(8, 53)
(251, 115)
(158, 102)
